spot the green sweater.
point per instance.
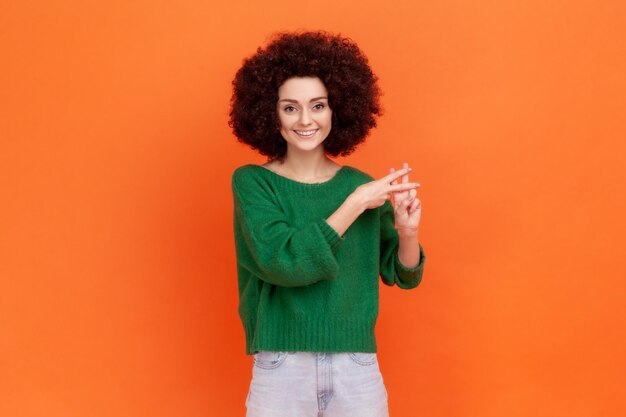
(302, 287)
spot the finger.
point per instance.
(391, 171)
(405, 203)
(396, 174)
(405, 177)
(404, 187)
(413, 193)
(416, 204)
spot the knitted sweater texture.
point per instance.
(302, 287)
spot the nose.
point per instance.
(305, 117)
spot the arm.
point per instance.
(402, 257)
(345, 215)
(409, 248)
(367, 196)
(407, 215)
(273, 249)
(406, 267)
(399, 249)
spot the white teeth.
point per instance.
(306, 133)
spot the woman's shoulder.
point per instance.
(244, 175)
(356, 172)
(246, 170)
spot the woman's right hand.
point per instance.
(374, 193)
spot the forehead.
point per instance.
(302, 88)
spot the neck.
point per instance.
(306, 164)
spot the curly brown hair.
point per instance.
(353, 92)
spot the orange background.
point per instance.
(118, 292)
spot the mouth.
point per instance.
(306, 133)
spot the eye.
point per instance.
(289, 109)
(319, 106)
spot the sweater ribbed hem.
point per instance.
(331, 235)
(345, 335)
(410, 277)
(403, 271)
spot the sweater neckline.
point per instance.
(291, 183)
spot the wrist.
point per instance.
(408, 232)
(354, 202)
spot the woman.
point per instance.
(313, 237)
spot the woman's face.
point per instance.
(305, 117)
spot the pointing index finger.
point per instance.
(405, 177)
(391, 171)
(397, 174)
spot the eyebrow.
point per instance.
(296, 101)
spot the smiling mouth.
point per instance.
(306, 133)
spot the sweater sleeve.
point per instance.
(277, 252)
(391, 269)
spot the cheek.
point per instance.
(329, 120)
(284, 122)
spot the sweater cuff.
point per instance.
(331, 235)
(407, 274)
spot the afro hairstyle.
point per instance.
(353, 92)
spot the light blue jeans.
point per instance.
(306, 384)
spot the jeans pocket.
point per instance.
(363, 358)
(268, 359)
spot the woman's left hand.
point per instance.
(408, 208)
